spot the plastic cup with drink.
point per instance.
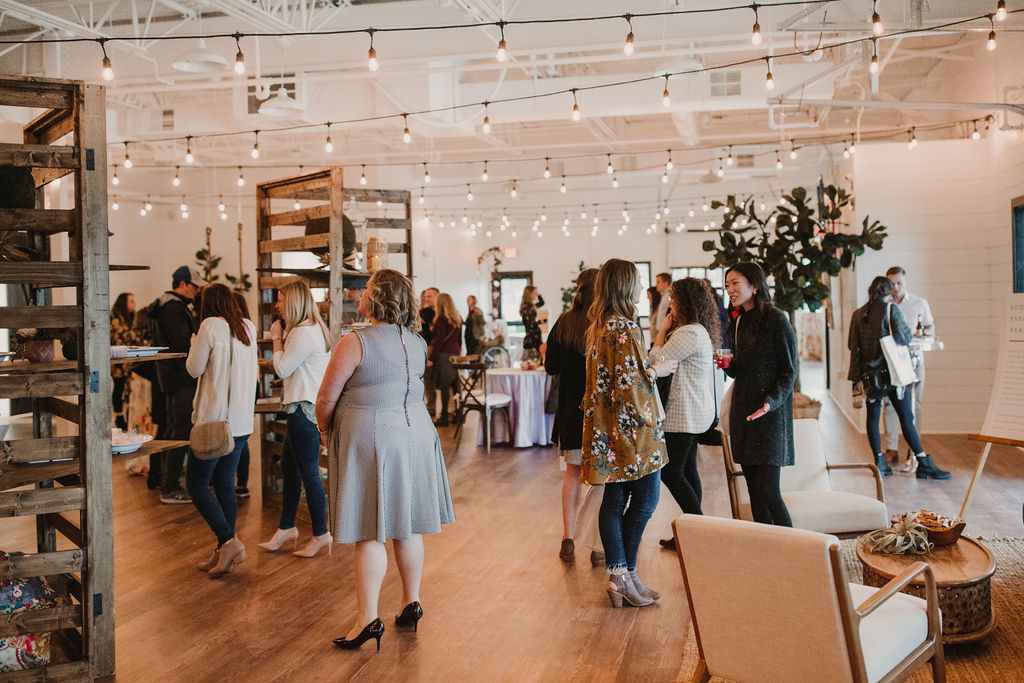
(723, 358)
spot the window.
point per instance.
(725, 83)
(510, 292)
(716, 276)
(1018, 245)
(643, 309)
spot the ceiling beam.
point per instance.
(254, 14)
(53, 22)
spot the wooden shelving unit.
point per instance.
(67, 463)
(276, 235)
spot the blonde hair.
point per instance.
(613, 295)
(528, 292)
(301, 309)
(446, 308)
(391, 299)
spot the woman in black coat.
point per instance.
(763, 363)
(564, 358)
(867, 326)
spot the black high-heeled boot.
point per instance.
(882, 465)
(375, 629)
(410, 616)
(926, 469)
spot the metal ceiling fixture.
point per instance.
(200, 60)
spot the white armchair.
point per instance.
(807, 489)
(772, 604)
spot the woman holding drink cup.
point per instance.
(763, 363)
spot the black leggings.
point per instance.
(680, 475)
(766, 504)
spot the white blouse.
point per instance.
(302, 364)
(690, 408)
(218, 366)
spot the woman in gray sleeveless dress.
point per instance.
(386, 471)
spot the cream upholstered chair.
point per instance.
(771, 603)
(807, 489)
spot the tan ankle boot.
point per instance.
(231, 554)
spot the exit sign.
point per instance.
(510, 252)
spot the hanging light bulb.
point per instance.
(148, 206)
(721, 170)
(846, 151)
(665, 210)
(615, 181)
(610, 169)
(483, 176)
(729, 160)
(873, 68)
(668, 161)
(755, 32)
(991, 44)
(912, 142)
(220, 203)
(189, 158)
(547, 168)
(514, 192)
(372, 63)
(853, 145)
(487, 120)
(629, 48)
(792, 149)
(422, 198)
(575, 107)
(241, 177)
(255, 153)
(583, 212)
(328, 145)
(543, 215)
(297, 206)
(704, 207)
(502, 54)
(876, 20)
(562, 189)
(666, 99)
(239, 57)
(1001, 10)
(176, 181)
(127, 157)
(143, 212)
(778, 161)
(362, 175)
(107, 69)
(426, 174)
(115, 206)
(184, 215)
(664, 177)
(223, 215)
(115, 180)
(691, 213)
(406, 135)
(469, 193)
(183, 207)
(769, 81)
(975, 134)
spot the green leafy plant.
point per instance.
(569, 292)
(208, 263)
(800, 246)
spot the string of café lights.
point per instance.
(502, 55)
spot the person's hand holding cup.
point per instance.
(723, 358)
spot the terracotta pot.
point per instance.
(39, 351)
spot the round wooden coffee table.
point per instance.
(963, 573)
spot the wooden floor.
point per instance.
(499, 605)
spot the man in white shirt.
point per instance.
(663, 283)
(914, 309)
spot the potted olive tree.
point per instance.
(799, 243)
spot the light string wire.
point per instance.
(563, 91)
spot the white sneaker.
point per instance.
(910, 464)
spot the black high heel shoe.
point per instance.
(410, 616)
(375, 629)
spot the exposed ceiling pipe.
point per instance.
(877, 104)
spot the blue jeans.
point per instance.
(625, 510)
(300, 465)
(904, 411)
(219, 511)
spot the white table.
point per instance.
(528, 389)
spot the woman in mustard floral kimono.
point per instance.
(623, 441)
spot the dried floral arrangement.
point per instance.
(906, 536)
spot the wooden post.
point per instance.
(337, 284)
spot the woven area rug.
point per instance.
(998, 658)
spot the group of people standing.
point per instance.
(441, 327)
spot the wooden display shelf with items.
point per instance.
(285, 237)
(68, 460)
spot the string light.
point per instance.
(483, 176)
(115, 180)
(406, 135)
(255, 153)
(223, 215)
(372, 63)
(666, 99)
(426, 174)
(975, 133)
(487, 120)
(189, 158)
(143, 211)
(547, 168)
(514, 192)
(220, 203)
(183, 206)
(853, 145)
(755, 32)
(469, 193)
(911, 139)
(297, 206)
(148, 205)
(874, 56)
(1001, 10)
(176, 181)
(769, 82)
(610, 169)
(876, 20)
(615, 182)
(502, 54)
(778, 160)
(792, 149)
(846, 151)
(562, 189)
(668, 162)
(583, 212)
(328, 145)
(115, 206)
(239, 57)
(991, 44)
(729, 160)
(543, 215)
(575, 107)
(127, 157)
(107, 70)
(629, 48)
(664, 177)
(721, 170)
(241, 177)
(422, 198)
(362, 175)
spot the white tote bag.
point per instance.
(897, 356)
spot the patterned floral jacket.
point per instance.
(121, 334)
(622, 435)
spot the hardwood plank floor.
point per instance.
(499, 604)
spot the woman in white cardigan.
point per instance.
(301, 353)
(223, 357)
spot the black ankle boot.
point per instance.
(926, 469)
(882, 465)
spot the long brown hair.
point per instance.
(696, 303)
(571, 328)
(120, 308)
(219, 302)
(445, 307)
(613, 295)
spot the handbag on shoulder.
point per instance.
(212, 440)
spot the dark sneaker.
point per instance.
(242, 491)
(179, 497)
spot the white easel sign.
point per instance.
(1005, 416)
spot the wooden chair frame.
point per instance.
(472, 374)
(930, 649)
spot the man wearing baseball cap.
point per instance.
(174, 315)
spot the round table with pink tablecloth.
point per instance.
(528, 389)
